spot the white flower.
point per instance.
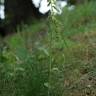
(2, 11)
(44, 8)
(36, 3)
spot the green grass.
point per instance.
(52, 59)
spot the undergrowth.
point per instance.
(45, 59)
